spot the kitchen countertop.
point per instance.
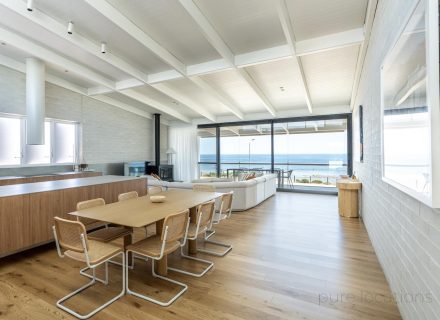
(27, 188)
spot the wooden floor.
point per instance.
(293, 258)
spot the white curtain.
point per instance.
(184, 141)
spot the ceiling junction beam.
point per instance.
(286, 24)
(143, 38)
(222, 48)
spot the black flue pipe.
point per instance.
(157, 139)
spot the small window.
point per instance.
(10, 141)
(64, 142)
(39, 154)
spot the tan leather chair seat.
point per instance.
(98, 252)
(152, 246)
(108, 234)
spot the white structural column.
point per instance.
(35, 101)
(217, 42)
(290, 37)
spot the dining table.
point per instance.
(140, 212)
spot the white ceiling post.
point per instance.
(290, 37)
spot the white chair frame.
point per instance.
(211, 231)
(184, 286)
(92, 282)
(210, 264)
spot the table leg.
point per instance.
(192, 244)
(161, 266)
(128, 239)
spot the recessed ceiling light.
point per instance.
(30, 5)
(70, 27)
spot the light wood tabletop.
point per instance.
(139, 212)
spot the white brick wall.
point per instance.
(404, 232)
(109, 135)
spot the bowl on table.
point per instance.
(157, 199)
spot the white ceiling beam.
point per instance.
(224, 99)
(155, 104)
(171, 92)
(309, 46)
(225, 52)
(21, 67)
(41, 19)
(47, 55)
(123, 106)
(208, 30)
(111, 13)
(369, 20)
(262, 56)
(251, 82)
(59, 29)
(330, 42)
(134, 31)
(286, 24)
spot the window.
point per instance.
(64, 142)
(10, 141)
(39, 154)
(207, 153)
(60, 143)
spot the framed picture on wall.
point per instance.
(410, 110)
(361, 133)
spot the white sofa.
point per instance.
(247, 194)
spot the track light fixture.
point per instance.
(70, 27)
(103, 47)
(30, 5)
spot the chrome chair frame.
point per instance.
(184, 286)
(92, 282)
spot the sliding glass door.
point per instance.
(311, 154)
(244, 148)
(307, 153)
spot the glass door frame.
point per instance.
(341, 116)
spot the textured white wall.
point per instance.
(109, 134)
(404, 232)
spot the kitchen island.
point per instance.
(27, 210)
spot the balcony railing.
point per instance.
(289, 174)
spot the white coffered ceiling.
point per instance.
(197, 60)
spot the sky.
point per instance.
(319, 143)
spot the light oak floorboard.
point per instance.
(293, 258)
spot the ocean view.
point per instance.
(301, 164)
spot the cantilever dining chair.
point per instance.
(174, 235)
(154, 190)
(105, 234)
(220, 215)
(205, 214)
(72, 242)
(128, 195)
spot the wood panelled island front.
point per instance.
(27, 210)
